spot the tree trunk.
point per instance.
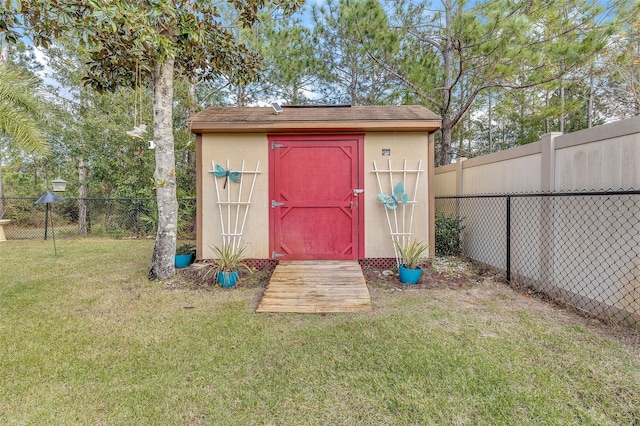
(445, 144)
(82, 197)
(353, 86)
(462, 132)
(590, 100)
(547, 122)
(162, 263)
(490, 123)
(240, 95)
(461, 139)
(561, 122)
(520, 125)
(448, 64)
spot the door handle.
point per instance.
(357, 191)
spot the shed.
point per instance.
(314, 182)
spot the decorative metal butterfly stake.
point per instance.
(399, 197)
(227, 174)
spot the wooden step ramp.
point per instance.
(316, 286)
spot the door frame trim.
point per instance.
(359, 138)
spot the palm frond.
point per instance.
(23, 130)
(20, 109)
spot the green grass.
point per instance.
(86, 339)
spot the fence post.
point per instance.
(138, 218)
(548, 161)
(509, 238)
(459, 177)
(46, 220)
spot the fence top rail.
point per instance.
(541, 194)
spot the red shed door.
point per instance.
(315, 213)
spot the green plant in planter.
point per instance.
(185, 249)
(413, 253)
(228, 262)
(184, 255)
(229, 259)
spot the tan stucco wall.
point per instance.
(599, 165)
(236, 147)
(411, 147)
(254, 147)
(445, 180)
(601, 158)
(516, 174)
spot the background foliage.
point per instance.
(564, 68)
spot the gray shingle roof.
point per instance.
(315, 118)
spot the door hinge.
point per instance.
(275, 255)
(275, 204)
(276, 145)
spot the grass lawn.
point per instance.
(86, 339)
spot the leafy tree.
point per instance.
(288, 69)
(290, 60)
(353, 42)
(89, 134)
(521, 117)
(623, 65)
(452, 53)
(157, 40)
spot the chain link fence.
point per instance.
(73, 218)
(580, 249)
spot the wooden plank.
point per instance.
(314, 281)
(320, 292)
(288, 309)
(317, 296)
(310, 286)
(315, 272)
(314, 302)
(304, 286)
(314, 308)
(327, 276)
(299, 294)
(311, 301)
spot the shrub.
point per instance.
(24, 212)
(448, 229)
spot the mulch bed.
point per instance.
(438, 273)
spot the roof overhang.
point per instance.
(315, 119)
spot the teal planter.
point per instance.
(409, 276)
(227, 279)
(183, 260)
